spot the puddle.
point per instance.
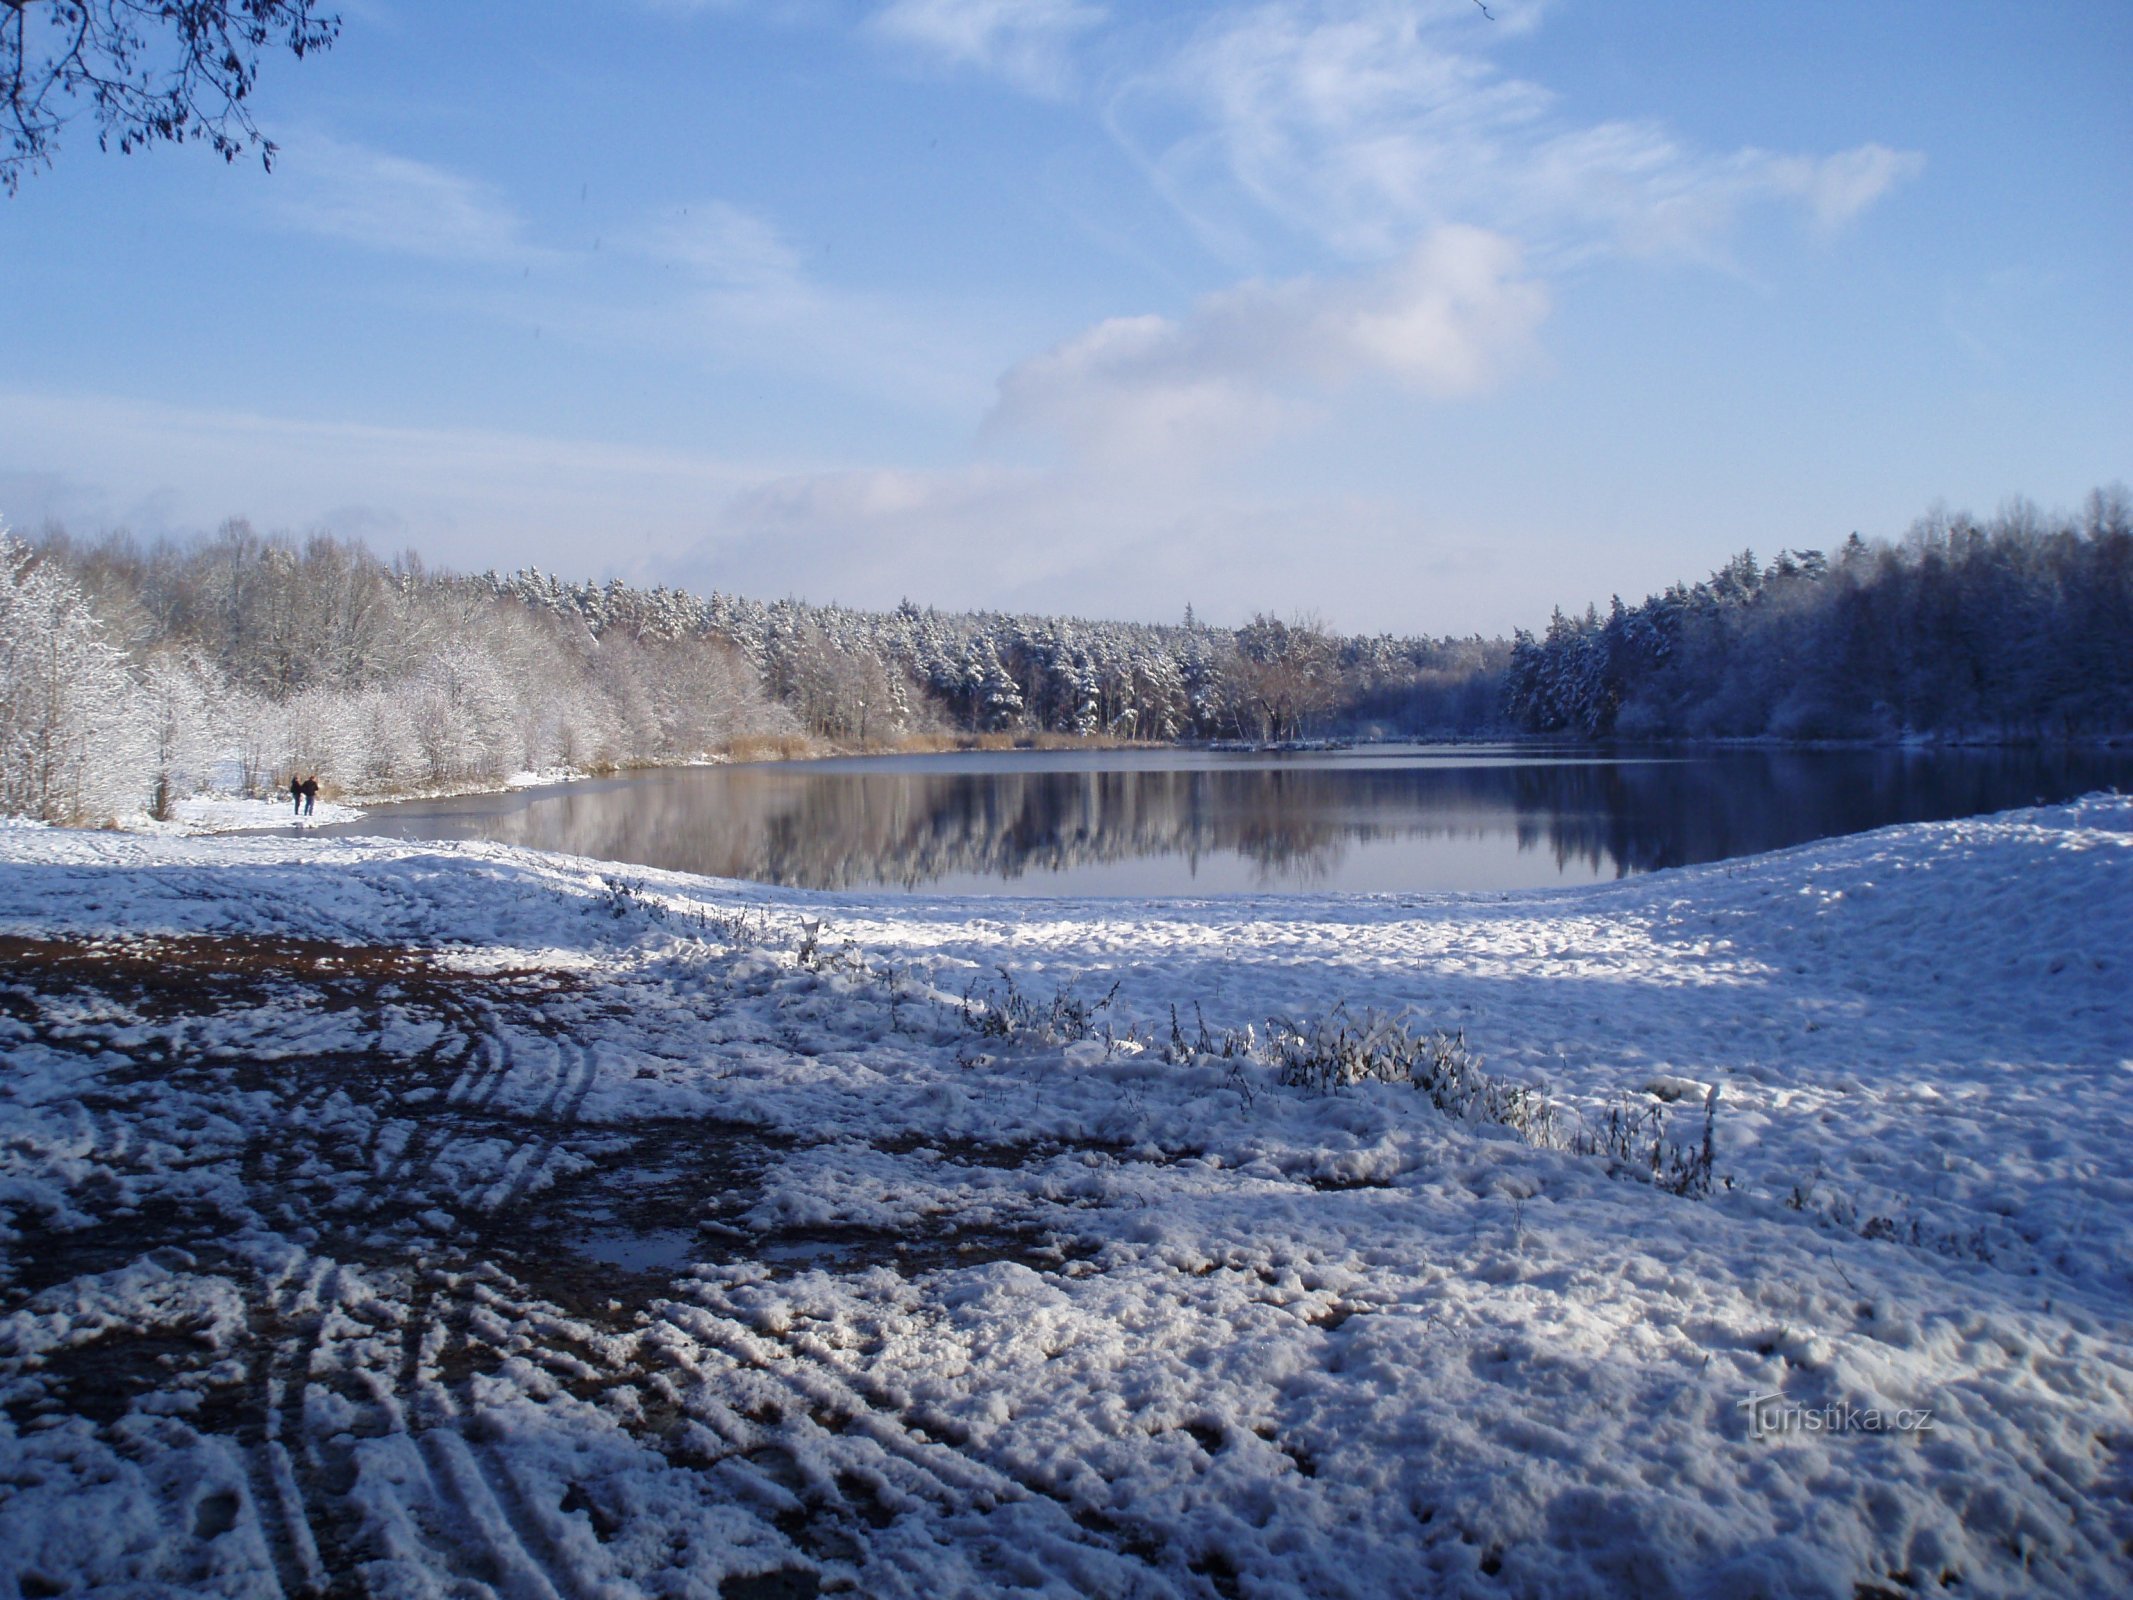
(808, 1253)
(647, 1250)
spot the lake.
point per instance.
(1200, 822)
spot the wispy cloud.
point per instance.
(722, 243)
(1026, 42)
(389, 203)
(1081, 540)
(1838, 188)
(747, 293)
(707, 279)
(1448, 318)
(462, 495)
(1361, 123)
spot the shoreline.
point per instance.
(225, 812)
(350, 805)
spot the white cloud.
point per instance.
(1026, 42)
(1076, 538)
(1362, 123)
(1146, 406)
(871, 536)
(1837, 188)
(1449, 318)
(386, 202)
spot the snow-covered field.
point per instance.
(418, 1220)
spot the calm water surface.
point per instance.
(1379, 817)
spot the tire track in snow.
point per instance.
(577, 1071)
(1086, 1552)
(525, 1556)
(484, 1064)
(278, 1498)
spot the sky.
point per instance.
(1404, 314)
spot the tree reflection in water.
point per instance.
(1166, 822)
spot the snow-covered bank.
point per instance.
(224, 811)
(468, 1220)
(233, 813)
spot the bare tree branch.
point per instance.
(150, 70)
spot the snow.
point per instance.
(475, 1221)
(224, 810)
(228, 813)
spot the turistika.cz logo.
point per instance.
(1770, 1414)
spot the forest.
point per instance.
(2020, 627)
(133, 675)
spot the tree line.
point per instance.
(133, 675)
(137, 674)
(2016, 627)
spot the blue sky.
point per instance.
(1416, 318)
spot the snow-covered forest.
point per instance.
(2017, 626)
(132, 673)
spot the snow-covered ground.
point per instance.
(454, 1220)
(225, 810)
(229, 813)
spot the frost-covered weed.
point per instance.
(811, 955)
(1832, 1207)
(732, 928)
(846, 961)
(740, 928)
(1234, 1045)
(1005, 1012)
(1633, 1134)
(627, 896)
(1337, 1051)
(1341, 1050)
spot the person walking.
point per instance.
(296, 794)
(310, 793)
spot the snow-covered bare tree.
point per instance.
(177, 695)
(71, 732)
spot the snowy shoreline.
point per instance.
(231, 813)
(224, 811)
(420, 1211)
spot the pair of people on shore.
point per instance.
(303, 793)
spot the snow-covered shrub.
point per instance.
(323, 735)
(464, 717)
(385, 751)
(258, 730)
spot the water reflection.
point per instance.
(1200, 823)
